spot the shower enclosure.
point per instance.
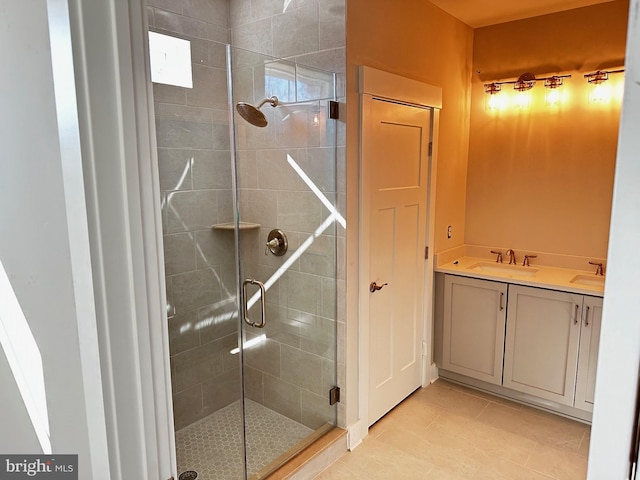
(250, 227)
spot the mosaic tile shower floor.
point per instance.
(213, 446)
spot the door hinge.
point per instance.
(334, 395)
(334, 110)
(426, 253)
(430, 148)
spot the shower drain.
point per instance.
(188, 475)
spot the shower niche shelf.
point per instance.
(231, 226)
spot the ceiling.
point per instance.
(480, 13)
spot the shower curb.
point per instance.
(314, 459)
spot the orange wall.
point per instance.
(417, 40)
(414, 39)
(541, 178)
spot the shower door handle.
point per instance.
(263, 292)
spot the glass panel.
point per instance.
(196, 181)
(286, 181)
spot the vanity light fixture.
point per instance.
(494, 101)
(525, 82)
(553, 96)
(522, 85)
(600, 92)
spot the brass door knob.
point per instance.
(374, 287)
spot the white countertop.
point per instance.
(552, 278)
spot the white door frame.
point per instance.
(121, 181)
(384, 85)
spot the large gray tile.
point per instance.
(296, 31)
(211, 169)
(171, 5)
(187, 113)
(319, 164)
(304, 292)
(253, 385)
(275, 171)
(211, 11)
(195, 289)
(182, 334)
(332, 24)
(179, 253)
(174, 166)
(187, 406)
(333, 60)
(217, 321)
(221, 135)
(214, 247)
(329, 292)
(301, 368)
(282, 397)
(264, 357)
(247, 169)
(196, 366)
(173, 22)
(259, 207)
(169, 94)
(209, 87)
(221, 390)
(255, 36)
(316, 410)
(173, 133)
(320, 258)
(192, 210)
(300, 211)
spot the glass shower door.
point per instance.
(284, 146)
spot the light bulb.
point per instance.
(553, 97)
(600, 93)
(523, 99)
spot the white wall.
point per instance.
(35, 243)
(620, 338)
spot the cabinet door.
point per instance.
(473, 333)
(588, 354)
(541, 345)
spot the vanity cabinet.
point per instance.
(588, 353)
(541, 343)
(551, 345)
(474, 327)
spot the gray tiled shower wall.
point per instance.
(292, 371)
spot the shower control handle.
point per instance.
(276, 243)
(263, 293)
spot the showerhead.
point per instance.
(252, 114)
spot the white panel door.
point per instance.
(541, 345)
(474, 323)
(396, 161)
(588, 355)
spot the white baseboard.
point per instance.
(355, 434)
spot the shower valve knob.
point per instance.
(276, 243)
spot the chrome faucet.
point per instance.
(512, 257)
(598, 268)
(525, 263)
(499, 254)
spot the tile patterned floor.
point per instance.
(447, 432)
(213, 446)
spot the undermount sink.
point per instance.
(592, 280)
(504, 269)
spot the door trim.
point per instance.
(388, 86)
